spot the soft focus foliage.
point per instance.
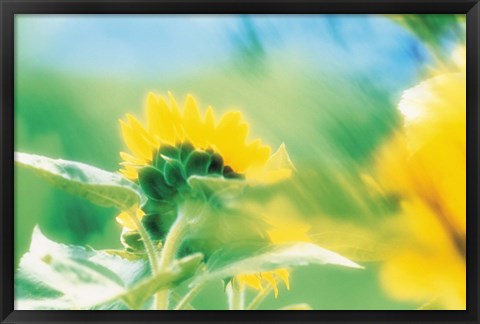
(333, 88)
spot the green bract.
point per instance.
(174, 165)
(173, 178)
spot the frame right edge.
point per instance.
(473, 134)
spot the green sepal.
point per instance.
(169, 151)
(159, 217)
(197, 163)
(153, 183)
(174, 174)
(216, 164)
(185, 149)
(230, 174)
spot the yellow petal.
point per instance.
(176, 119)
(268, 276)
(132, 159)
(135, 142)
(166, 129)
(193, 125)
(210, 119)
(153, 115)
(285, 275)
(140, 213)
(251, 280)
(125, 220)
(277, 168)
(138, 128)
(129, 173)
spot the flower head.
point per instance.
(188, 131)
(425, 165)
(177, 144)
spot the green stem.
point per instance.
(169, 250)
(236, 297)
(259, 298)
(149, 248)
(184, 302)
(177, 299)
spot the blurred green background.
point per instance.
(326, 85)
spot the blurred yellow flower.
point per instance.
(425, 165)
(260, 280)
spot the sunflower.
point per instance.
(168, 128)
(175, 144)
(425, 165)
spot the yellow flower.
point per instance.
(425, 165)
(225, 143)
(167, 125)
(168, 129)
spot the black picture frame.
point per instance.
(9, 8)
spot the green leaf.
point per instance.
(57, 276)
(131, 240)
(98, 186)
(130, 256)
(258, 257)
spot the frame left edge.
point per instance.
(6, 161)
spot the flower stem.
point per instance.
(236, 297)
(259, 298)
(188, 297)
(169, 250)
(149, 247)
